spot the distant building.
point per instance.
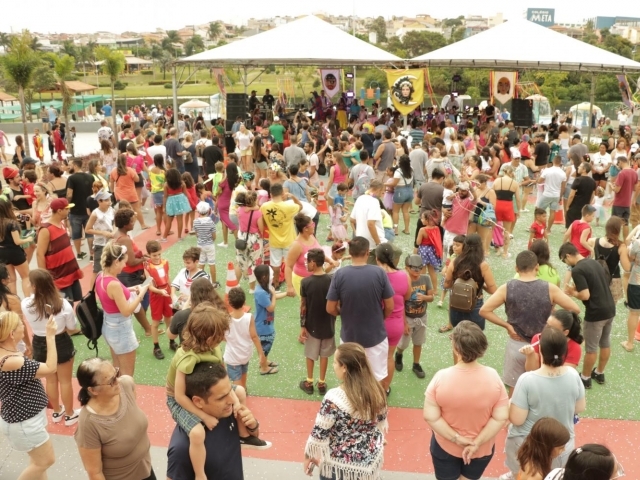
(600, 23)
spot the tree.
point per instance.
(84, 56)
(453, 22)
(457, 34)
(18, 64)
(113, 66)
(418, 43)
(68, 48)
(379, 25)
(214, 31)
(43, 80)
(173, 36)
(5, 40)
(194, 45)
(376, 78)
(164, 61)
(63, 67)
(590, 35)
(395, 46)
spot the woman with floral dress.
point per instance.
(250, 229)
(347, 440)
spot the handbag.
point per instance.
(241, 244)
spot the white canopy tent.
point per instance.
(502, 47)
(287, 45)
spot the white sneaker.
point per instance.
(56, 417)
(73, 419)
(506, 476)
(223, 245)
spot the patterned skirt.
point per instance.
(177, 205)
(429, 257)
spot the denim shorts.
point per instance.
(456, 316)
(403, 194)
(27, 435)
(235, 372)
(448, 467)
(118, 332)
(158, 199)
(78, 224)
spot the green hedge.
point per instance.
(146, 72)
(162, 82)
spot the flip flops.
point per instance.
(271, 371)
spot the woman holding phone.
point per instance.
(43, 303)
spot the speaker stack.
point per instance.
(522, 112)
(237, 106)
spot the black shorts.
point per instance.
(622, 212)
(599, 177)
(64, 346)
(73, 293)
(14, 256)
(448, 467)
(633, 296)
(140, 182)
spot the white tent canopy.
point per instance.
(306, 41)
(518, 44)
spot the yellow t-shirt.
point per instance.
(279, 218)
(186, 362)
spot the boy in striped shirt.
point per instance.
(205, 230)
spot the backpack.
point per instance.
(487, 216)
(361, 184)
(91, 318)
(464, 293)
(200, 146)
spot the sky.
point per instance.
(72, 16)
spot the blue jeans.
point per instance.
(456, 316)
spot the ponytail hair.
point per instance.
(384, 255)
(571, 322)
(85, 375)
(553, 347)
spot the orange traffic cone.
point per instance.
(232, 281)
(638, 333)
(321, 204)
(559, 216)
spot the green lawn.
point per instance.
(617, 400)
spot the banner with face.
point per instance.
(625, 91)
(218, 73)
(503, 85)
(407, 89)
(330, 81)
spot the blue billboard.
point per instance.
(541, 16)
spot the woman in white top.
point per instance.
(100, 225)
(597, 460)
(402, 183)
(564, 138)
(243, 139)
(600, 163)
(456, 150)
(37, 308)
(447, 133)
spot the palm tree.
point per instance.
(63, 68)
(113, 66)
(214, 30)
(173, 36)
(68, 48)
(84, 56)
(164, 61)
(18, 64)
(35, 44)
(5, 40)
(194, 45)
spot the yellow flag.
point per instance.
(407, 89)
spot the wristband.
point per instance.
(254, 428)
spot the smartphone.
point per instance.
(48, 309)
(147, 281)
(310, 468)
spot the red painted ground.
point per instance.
(287, 423)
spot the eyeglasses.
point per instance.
(113, 380)
(123, 251)
(619, 469)
(416, 269)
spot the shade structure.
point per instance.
(306, 41)
(195, 103)
(521, 44)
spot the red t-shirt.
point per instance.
(626, 179)
(574, 350)
(577, 227)
(538, 231)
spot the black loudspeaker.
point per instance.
(522, 112)
(236, 106)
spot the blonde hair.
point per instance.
(366, 395)
(110, 254)
(9, 321)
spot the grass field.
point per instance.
(617, 400)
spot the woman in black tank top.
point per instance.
(507, 210)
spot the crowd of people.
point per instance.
(470, 179)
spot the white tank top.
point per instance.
(239, 344)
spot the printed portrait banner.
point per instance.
(219, 74)
(625, 91)
(407, 89)
(330, 81)
(503, 86)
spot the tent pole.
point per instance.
(174, 85)
(245, 79)
(591, 100)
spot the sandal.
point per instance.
(626, 347)
(445, 328)
(273, 364)
(271, 371)
(158, 233)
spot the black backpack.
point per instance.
(91, 318)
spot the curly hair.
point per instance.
(396, 90)
(205, 328)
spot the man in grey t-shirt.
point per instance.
(293, 154)
(419, 158)
(175, 150)
(384, 156)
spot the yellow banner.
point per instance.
(407, 89)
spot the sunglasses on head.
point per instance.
(123, 251)
(113, 380)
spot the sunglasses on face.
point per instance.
(113, 380)
(416, 269)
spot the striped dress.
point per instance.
(59, 258)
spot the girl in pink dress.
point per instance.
(394, 323)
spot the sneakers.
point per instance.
(81, 255)
(254, 443)
(173, 345)
(586, 382)
(71, 420)
(216, 284)
(56, 417)
(388, 392)
(306, 387)
(223, 245)
(417, 369)
(157, 352)
(322, 388)
(598, 377)
(399, 365)
(440, 304)
(506, 476)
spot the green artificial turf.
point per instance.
(618, 399)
